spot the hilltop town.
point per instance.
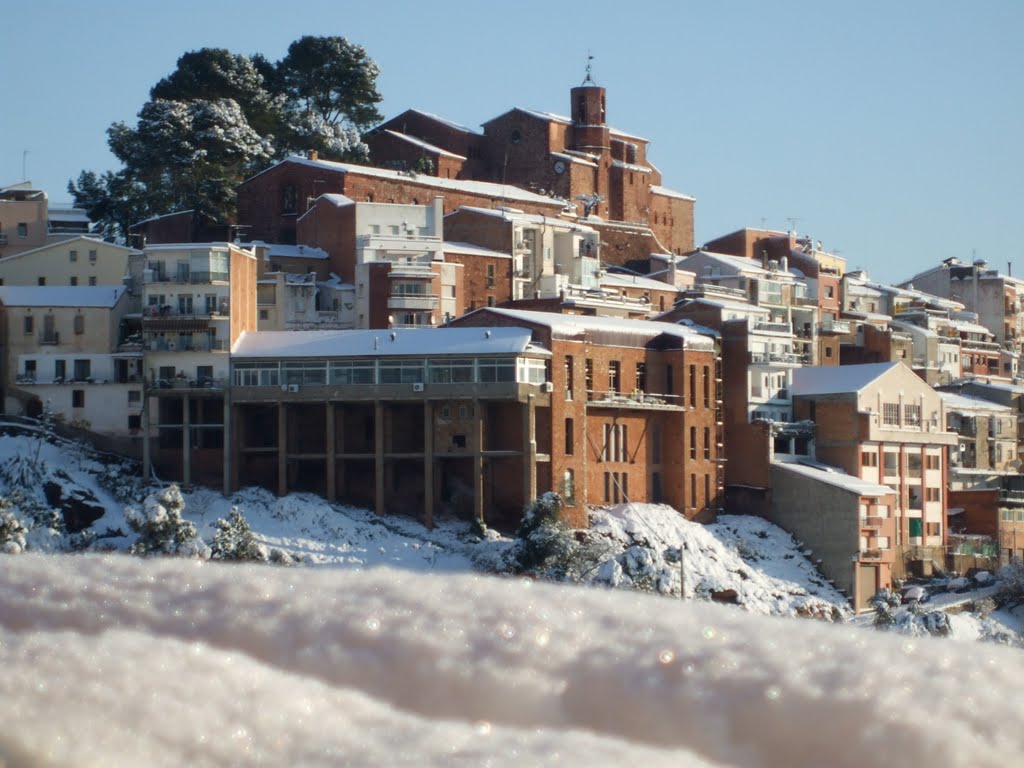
(478, 317)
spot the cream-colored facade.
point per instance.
(82, 261)
(64, 354)
(22, 219)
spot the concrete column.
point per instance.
(478, 462)
(340, 470)
(228, 443)
(282, 449)
(428, 463)
(146, 458)
(530, 452)
(186, 442)
(378, 456)
(329, 438)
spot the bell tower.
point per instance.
(589, 128)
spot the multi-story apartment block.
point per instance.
(76, 260)
(881, 423)
(197, 300)
(67, 352)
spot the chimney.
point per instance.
(313, 154)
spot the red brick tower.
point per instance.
(589, 129)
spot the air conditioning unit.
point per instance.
(549, 387)
(293, 387)
(284, 387)
(417, 386)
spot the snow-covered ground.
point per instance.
(116, 660)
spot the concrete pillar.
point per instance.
(478, 462)
(332, 493)
(186, 442)
(428, 463)
(378, 456)
(340, 470)
(228, 443)
(146, 458)
(530, 452)
(282, 449)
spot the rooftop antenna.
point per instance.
(24, 162)
(588, 78)
(764, 220)
(792, 222)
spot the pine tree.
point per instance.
(161, 528)
(235, 541)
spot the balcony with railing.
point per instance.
(185, 345)
(421, 301)
(636, 399)
(775, 358)
(872, 522)
(834, 326)
(765, 325)
(49, 338)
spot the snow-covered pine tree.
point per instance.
(161, 528)
(235, 541)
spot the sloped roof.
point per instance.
(469, 249)
(955, 402)
(835, 477)
(837, 379)
(569, 326)
(486, 188)
(62, 244)
(619, 280)
(666, 192)
(422, 144)
(383, 343)
(105, 296)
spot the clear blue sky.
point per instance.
(891, 130)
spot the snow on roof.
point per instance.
(446, 121)
(383, 343)
(490, 189)
(62, 244)
(836, 477)
(738, 263)
(574, 158)
(337, 199)
(105, 296)
(630, 166)
(289, 251)
(519, 216)
(423, 144)
(568, 121)
(574, 325)
(969, 327)
(160, 216)
(472, 250)
(955, 402)
(836, 379)
(618, 279)
(666, 192)
(739, 306)
(76, 215)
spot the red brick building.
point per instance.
(634, 411)
(569, 158)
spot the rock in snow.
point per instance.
(112, 660)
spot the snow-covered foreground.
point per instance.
(116, 660)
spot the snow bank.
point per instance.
(121, 661)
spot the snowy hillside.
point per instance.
(123, 661)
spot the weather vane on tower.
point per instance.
(588, 78)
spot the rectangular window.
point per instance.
(669, 383)
(74, 280)
(29, 324)
(641, 377)
(569, 433)
(707, 443)
(134, 422)
(82, 369)
(693, 442)
(607, 486)
(868, 459)
(59, 371)
(92, 256)
(932, 494)
(490, 275)
(74, 255)
(931, 461)
(79, 324)
(707, 490)
(891, 463)
(614, 376)
(40, 281)
(891, 414)
(134, 396)
(912, 416)
(588, 378)
(707, 387)
(693, 386)
(913, 465)
(693, 490)
(22, 229)
(568, 377)
(78, 398)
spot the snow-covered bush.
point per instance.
(883, 603)
(234, 540)
(12, 532)
(161, 528)
(544, 545)
(1011, 584)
